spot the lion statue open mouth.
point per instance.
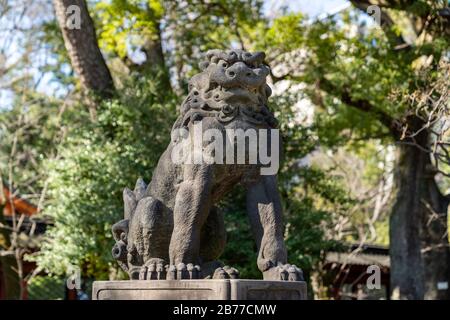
(172, 228)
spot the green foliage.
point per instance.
(306, 238)
(46, 288)
(344, 63)
(125, 25)
(29, 133)
(382, 229)
(313, 200)
(285, 33)
(95, 163)
(240, 251)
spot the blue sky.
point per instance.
(312, 8)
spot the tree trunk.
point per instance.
(82, 47)
(419, 247)
(11, 279)
(435, 246)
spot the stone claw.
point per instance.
(183, 272)
(194, 271)
(232, 272)
(284, 272)
(153, 270)
(226, 272)
(295, 274)
(220, 273)
(160, 271)
(134, 273)
(171, 272)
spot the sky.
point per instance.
(313, 8)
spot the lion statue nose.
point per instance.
(240, 73)
(239, 70)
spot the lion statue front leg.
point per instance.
(264, 210)
(192, 206)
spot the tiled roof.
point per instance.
(364, 259)
(21, 206)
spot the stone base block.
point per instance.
(199, 290)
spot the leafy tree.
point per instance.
(96, 161)
(355, 79)
(129, 28)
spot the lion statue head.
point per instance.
(232, 84)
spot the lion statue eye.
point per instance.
(223, 64)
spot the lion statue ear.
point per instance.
(203, 65)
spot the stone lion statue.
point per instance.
(172, 228)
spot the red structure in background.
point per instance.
(21, 206)
(13, 203)
(349, 270)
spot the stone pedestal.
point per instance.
(199, 290)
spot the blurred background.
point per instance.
(361, 90)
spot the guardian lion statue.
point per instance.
(172, 228)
